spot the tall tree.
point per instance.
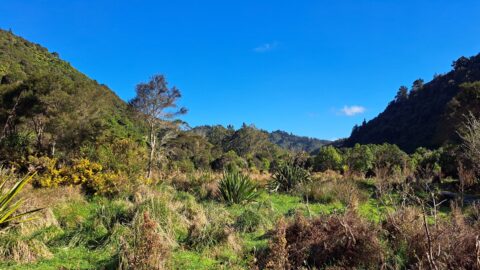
(157, 104)
(402, 94)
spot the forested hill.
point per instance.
(427, 114)
(285, 140)
(296, 143)
(47, 105)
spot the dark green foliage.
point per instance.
(296, 143)
(188, 151)
(247, 147)
(61, 109)
(328, 158)
(287, 177)
(389, 159)
(229, 161)
(426, 162)
(249, 221)
(236, 188)
(431, 113)
(221, 136)
(359, 159)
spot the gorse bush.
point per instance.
(287, 177)
(88, 174)
(236, 187)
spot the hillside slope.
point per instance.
(429, 114)
(293, 142)
(47, 105)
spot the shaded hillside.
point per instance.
(218, 134)
(426, 114)
(296, 143)
(48, 106)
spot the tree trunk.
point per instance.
(153, 140)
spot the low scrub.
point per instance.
(338, 240)
(422, 243)
(344, 191)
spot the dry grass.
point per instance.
(448, 244)
(345, 191)
(328, 175)
(149, 249)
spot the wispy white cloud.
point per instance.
(266, 47)
(352, 110)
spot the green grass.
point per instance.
(187, 260)
(69, 258)
(89, 230)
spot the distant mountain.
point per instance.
(427, 114)
(285, 140)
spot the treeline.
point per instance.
(426, 114)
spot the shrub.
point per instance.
(90, 175)
(148, 251)
(213, 229)
(287, 177)
(203, 184)
(344, 191)
(236, 187)
(48, 173)
(278, 253)
(338, 240)
(389, 161)
(359, 159)
(229, 161)
(249, 221)
(448, 244)
(328, 158)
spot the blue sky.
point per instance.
(313, 68)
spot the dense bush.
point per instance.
(390, 161)
(229, 161)
(359, 159)
(328, 158)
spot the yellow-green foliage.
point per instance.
(90, 175)
(48, 173)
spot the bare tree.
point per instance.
(157, 104)
(470, 135)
